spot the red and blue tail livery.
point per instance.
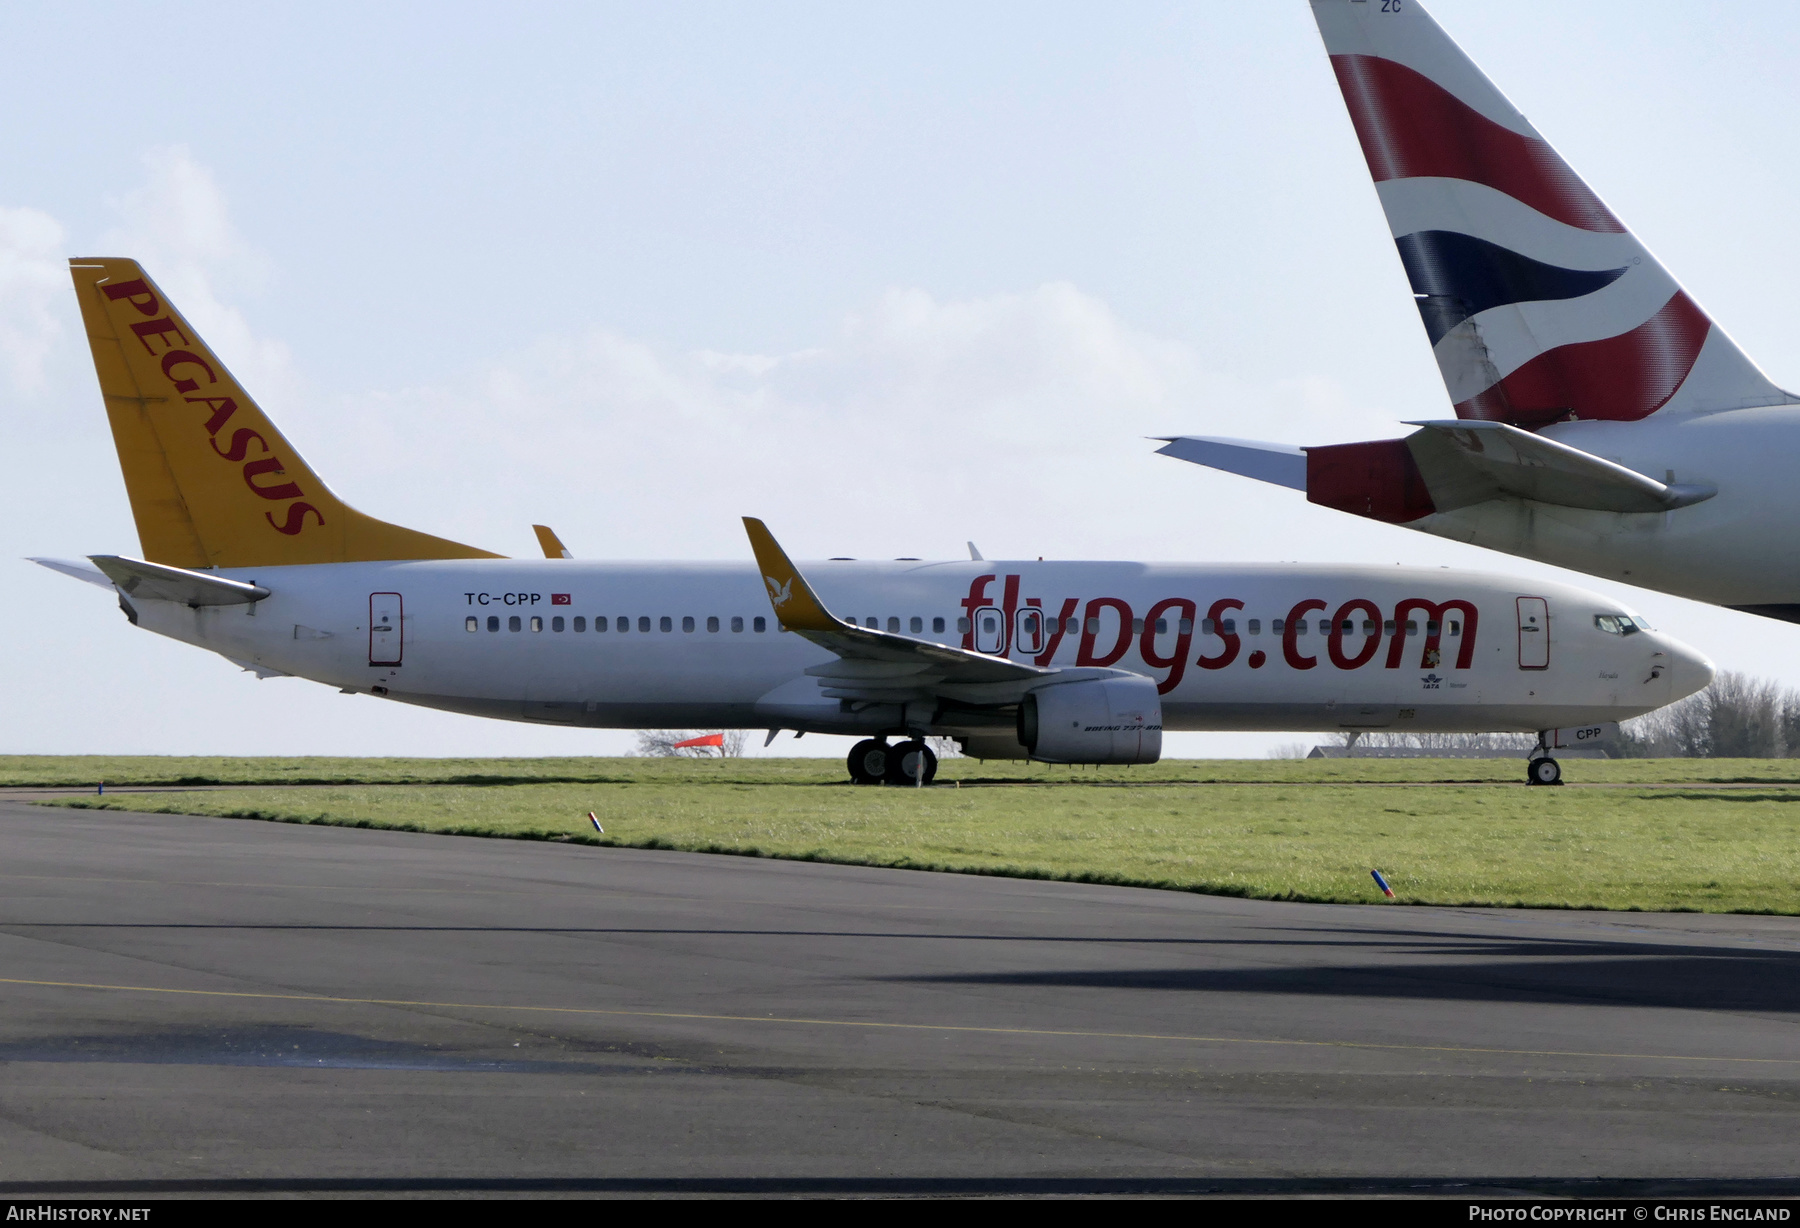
(1603, 421)
(1539, 304)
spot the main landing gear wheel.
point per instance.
(1543, 771)
(911, 763)
(868, 762)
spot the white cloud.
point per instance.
(177, 224)
(920, 420)
(34, 279)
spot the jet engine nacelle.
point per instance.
(1095, 720)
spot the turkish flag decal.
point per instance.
(561, 599)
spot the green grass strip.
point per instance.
(1694, 848)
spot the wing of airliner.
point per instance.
(884, 666)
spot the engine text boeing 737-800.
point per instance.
(246, 552)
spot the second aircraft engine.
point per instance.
(1095, 720)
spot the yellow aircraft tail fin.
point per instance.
(212, 483)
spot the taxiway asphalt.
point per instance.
(213, 1005)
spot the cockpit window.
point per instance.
(1620, 624)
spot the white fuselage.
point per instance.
(1737, 548)
(696, 645)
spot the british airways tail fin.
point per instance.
(1539, 304)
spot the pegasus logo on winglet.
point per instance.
(778, 593)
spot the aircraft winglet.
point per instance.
(797, 607)
(550, 543)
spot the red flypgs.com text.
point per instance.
(1106, 628)
(162, 338)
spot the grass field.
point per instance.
(1307, 830)
(87, 770)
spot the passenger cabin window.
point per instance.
(893, 624)
(1162, 626)
(666, 623)
(1028, 631)
(760, 624)
(537, 622)
(916, 625)
(643, 622)
(493, 622)
(581, 623)
(988, 633)
(937, 626)
(557, 624)
(512, 624)
(471, 623)
(1412, 627)
(1230, 625)
(1455, 627)
(1255, 626)
(687, 622)
(962, 625)
(712, 622)
(1275, 626)
(737, 622)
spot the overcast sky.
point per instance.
(889, 276)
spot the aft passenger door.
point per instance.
(1534, 633)
(387, 635)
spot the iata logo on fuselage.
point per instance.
(1431, 682)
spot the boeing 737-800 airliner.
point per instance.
(246, 552)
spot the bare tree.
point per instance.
(1737, 717)
(660, 744)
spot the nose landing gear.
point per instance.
(872, 762)
(1542, 769)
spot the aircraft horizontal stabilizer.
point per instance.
(1441, 467)
(1459, 459)
(81, 569)
(1279, 463)
(158, 582)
